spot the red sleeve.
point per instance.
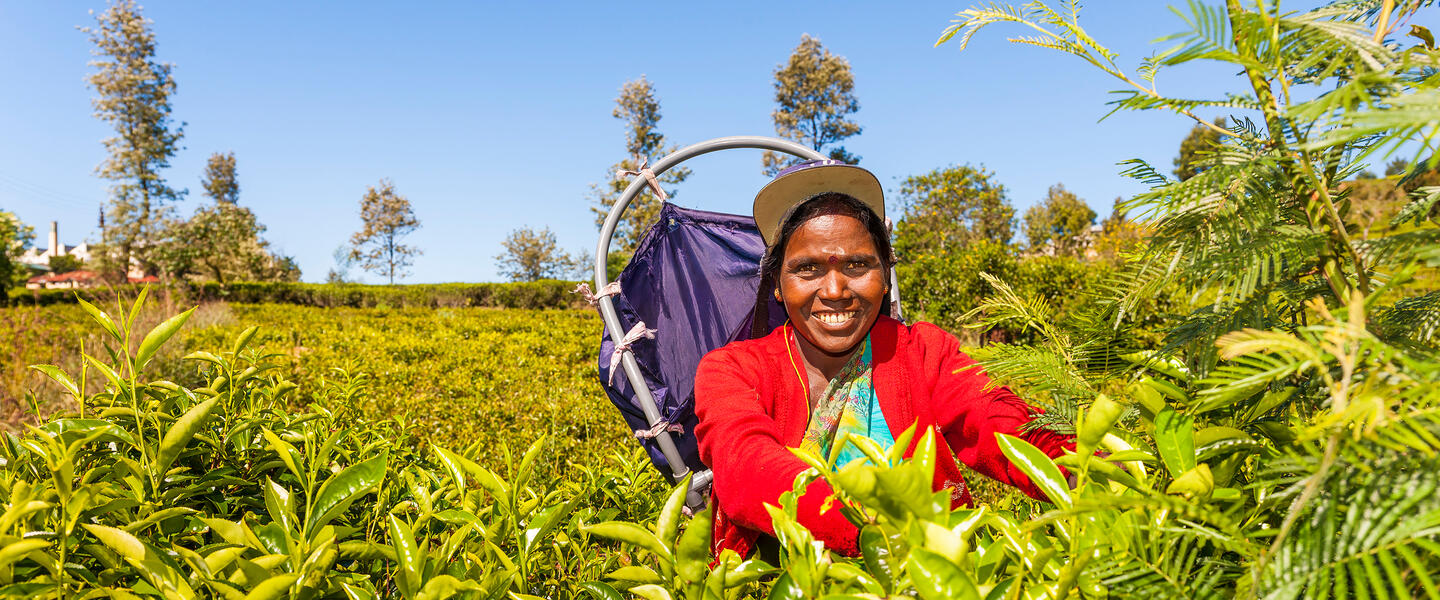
(742, 444)
(969, 415)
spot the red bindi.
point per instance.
(833, 260)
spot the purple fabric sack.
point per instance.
(693, 280)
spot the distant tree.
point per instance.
(1119, 236)
(387, 218)
(340, 273)
(1396, 167)
(222, 242)
(1366, 174)
(134, 92)
(1060, 221)
(219, 181)
(15, 237)
(531, 255)
(952, 207)
(1193, 150)
(814, 95)
(65, 263)
(638, 108)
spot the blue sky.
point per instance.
(495, 116)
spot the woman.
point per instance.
(838, 364)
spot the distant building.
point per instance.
(39, 260)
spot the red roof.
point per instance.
(84, 276)
(62, 277)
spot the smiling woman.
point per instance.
(839, 365)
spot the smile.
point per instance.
(835, 318)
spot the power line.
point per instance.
(26, 188)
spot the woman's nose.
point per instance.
(833, 287)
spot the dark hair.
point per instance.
(830, 203)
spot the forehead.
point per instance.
(841, 235)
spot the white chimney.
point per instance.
(55, 249)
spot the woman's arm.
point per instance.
(969, 415)
(743, 445)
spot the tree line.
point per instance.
(141, 230)
(946, 210)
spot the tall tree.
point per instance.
(222, 241)
(134, 92)
(637, 107)
(531, 255)
(15, 237)
(952, 207)
(814, 93)
(387, 218)
(220, 182)
(1060, 221)
(1201, 141)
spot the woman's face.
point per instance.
(832, 282)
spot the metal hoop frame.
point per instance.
(607, 307)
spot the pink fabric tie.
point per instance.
(649, 176)
(659, 428)
(592, 298)
(636, 333)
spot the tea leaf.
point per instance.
(936, 578)
(630, 533)
(119, 540)
(59, 376)
(18, 549)
(1175, 440)
(273, 588)
(599, 590)
(446, 586)
(179, 434)
(1041, 470)
(340, 490)
(669, 521)
(407, 555)
(102, 318)
(651, 592)
(158, 336)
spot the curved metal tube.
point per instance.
(602, 250)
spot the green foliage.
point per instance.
(532, 255)
(133, 94)
(531, 295)
(219, 181)
(222, 242)
(942, 287)
(952, 207)
(238, 487)
(65, 263)
(814, 96)
(1060, 224)
(1279, 441)
(638, 108)
(15, 237)
(386, 218)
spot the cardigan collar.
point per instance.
(892, 381)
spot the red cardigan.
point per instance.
(752, 407)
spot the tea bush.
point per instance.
(526, 294)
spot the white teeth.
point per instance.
(834, 318)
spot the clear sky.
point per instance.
(494, 116)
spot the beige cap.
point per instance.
(804, 181)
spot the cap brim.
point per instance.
(782, 194)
